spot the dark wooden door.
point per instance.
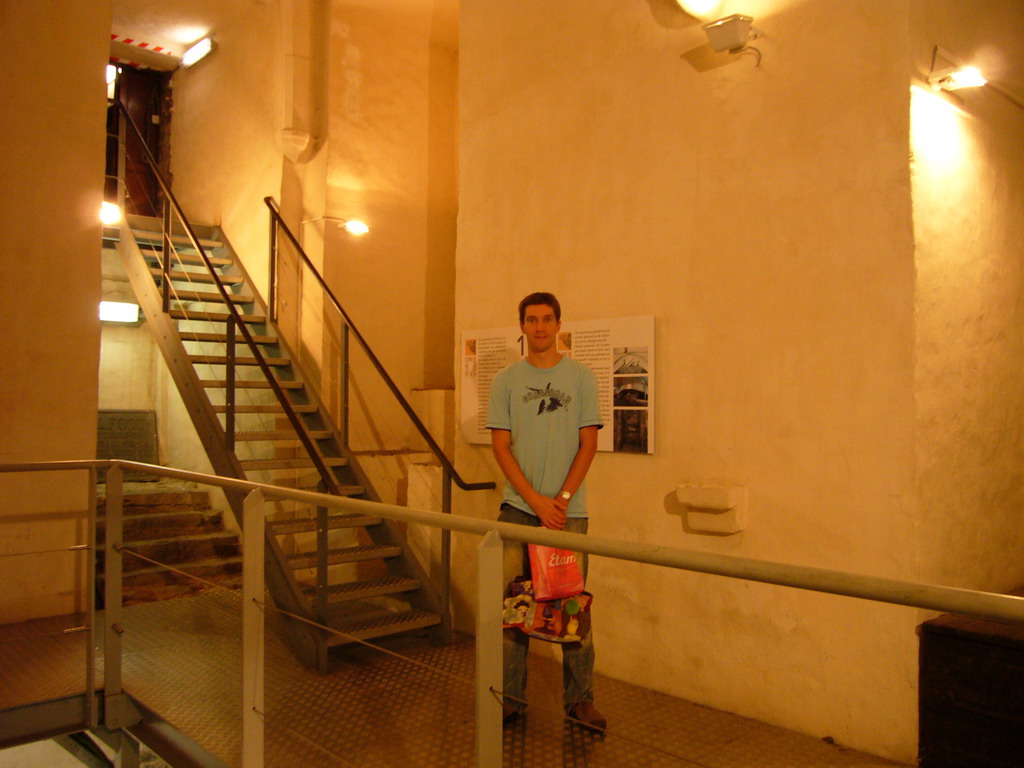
(142, 92)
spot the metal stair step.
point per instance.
(154, 253)
(223, 360)
(334, 522)
(359, 590)
(243, 384)
(222, 338)
(215, 317)
(275, 408)
(150, 238)
(212, 298)
(381, 625)
(263, 464)
(304, 560)
(198, 277)
(282, 434)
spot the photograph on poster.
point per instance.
(630, 392)
(630, 360)
(630, 431)
(620, 352)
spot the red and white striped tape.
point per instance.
(164, 49)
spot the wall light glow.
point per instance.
(110, 214)
(119, 312)
(111, 80)
(197, 52)
(702, 9)
(937, 130)
(356, 227)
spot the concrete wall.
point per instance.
(224, 154)
(763, 215)
(51, 182)
(968, 174)
(391, 162)
(373, 84)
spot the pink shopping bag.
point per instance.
(556, 574)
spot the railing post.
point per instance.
(344, 343)
(165, 286)
(92, 711)
(272, 290)
(488, 650)
(321, 562)
(253, 517)
(446, 557)
(113, 570)
(229, 391)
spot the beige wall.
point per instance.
(51, 184)
(224, 154)
(382, 149)
(968, 173)
(391, 163)
(763, 215)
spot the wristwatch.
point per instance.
(564, 495)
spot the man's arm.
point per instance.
(581, 463)
(547, 509)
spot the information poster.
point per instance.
(619, 351)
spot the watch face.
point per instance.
(565, 495)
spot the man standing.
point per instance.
(544, 418)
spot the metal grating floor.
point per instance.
(182, 658)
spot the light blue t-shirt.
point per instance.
(545, 408)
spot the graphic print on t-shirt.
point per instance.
(550, 399)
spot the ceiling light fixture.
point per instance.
(197, 52)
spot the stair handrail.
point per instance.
(446, 463)
(234, 314)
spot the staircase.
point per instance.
(259, 418)
(177, 527)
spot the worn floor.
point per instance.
(183, 659)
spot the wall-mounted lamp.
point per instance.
(355, 227)
(110, 214)
(731, 33)
(119, 312)
(952, 77)
(955, 78)
(352, 226)
(197, 52)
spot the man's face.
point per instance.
(540, 327)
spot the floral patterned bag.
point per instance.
(558, 621)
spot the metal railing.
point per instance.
(348, 329)
(235, 321)
(490, 587)
(277, 222)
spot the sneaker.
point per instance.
(588, 716)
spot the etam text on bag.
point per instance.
(558, 558)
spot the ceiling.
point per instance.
(994, 40)
(176, 24)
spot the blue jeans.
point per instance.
(577, 658)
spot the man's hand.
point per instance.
(550, 511)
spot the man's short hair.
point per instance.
(540, 298)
